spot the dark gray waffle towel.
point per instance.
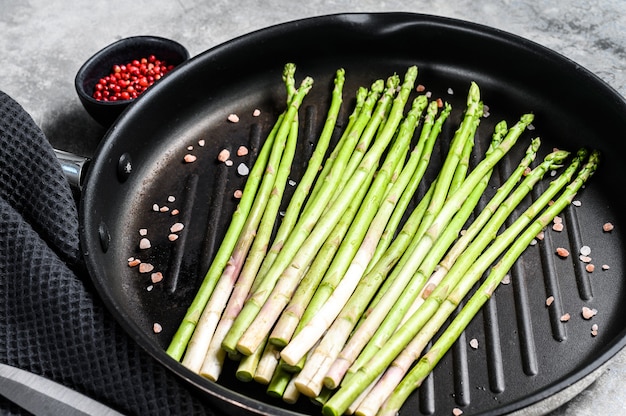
(51, 321)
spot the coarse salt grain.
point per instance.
(155, 207)
(457, 412)
(549, 300)
(558, 227)
(190, 147)
(243, 169)
(149, 288)
(506, 280)
(175, 212)
(223, 155)
(590, 268)
(233, 118)
(450, 91)
(607, 227)
(156, 327)
(228, 162)
(134, 262)
(156, 277)
(144, 244)
(585, 259)
(540, 236)
(588, 313)
(292, 182)
(577, 203)
(420, 88)
(605, 267)
(143, 231)
(171, 198)
(172, 237)
(594, 330)
(189, 158)
(177, 227)
(585, 250)
(565, 317)
(562, 252)
(256, 112)
(242, 151)
(164, 208)
(145, 268)
(238, 193)
(473, 343)
(201, 142)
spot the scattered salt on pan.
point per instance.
(588, 313)
(223, 155)
(562, 252)
(242, 151)
(156, 277)
(243, 169)
(177, 227)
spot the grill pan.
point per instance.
(526, 354)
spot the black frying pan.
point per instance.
(140, 163)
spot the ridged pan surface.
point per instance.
(525, 352)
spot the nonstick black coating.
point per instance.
(525, 352)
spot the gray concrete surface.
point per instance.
(44, 42)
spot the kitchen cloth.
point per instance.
(51, 321)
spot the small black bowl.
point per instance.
(118, 53)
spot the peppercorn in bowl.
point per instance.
(121, 72)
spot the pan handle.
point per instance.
(74, 167)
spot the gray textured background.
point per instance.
(44, 42)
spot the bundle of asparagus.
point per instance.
(340, 303)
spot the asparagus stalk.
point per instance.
(424, 148)
(427, 363)
(355, 250)
(317, 158)
(270, 311)
(181, 338)
(460, 274)
(301, 229)
(412, 256)
(401, 363)
(262, 216)
(214, 355)
(290, 317)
